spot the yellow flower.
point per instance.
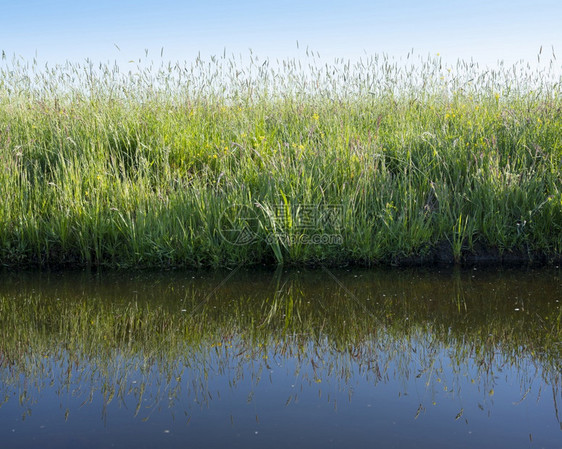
(315, 116)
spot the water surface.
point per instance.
(329, 358)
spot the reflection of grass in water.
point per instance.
(106, 345)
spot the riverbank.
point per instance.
(215, 165)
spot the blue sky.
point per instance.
(486, 30)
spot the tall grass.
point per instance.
(135, 169)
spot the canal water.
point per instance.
(324, 358)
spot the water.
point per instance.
(329, 358)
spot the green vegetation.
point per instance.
(427, 162)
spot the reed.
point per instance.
(427, 162)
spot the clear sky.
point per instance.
(57, 30)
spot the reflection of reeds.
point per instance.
(100, 167)
(169, 338)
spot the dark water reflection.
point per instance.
(253, 359)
